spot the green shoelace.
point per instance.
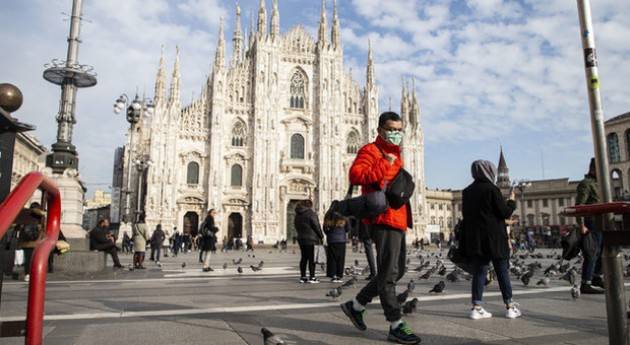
(405, 329)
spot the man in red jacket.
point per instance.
(376, 165)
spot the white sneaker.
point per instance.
(313, 281)
(27, 278)
(513, 312)
(479, 313)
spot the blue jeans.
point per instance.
(480, 270)
(593, 266)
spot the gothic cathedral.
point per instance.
(281, 121)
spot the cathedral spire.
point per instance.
(370, 66)
(415, 107)
(503, 179)
(322, 25)
(219, 58)
(160, 81)
(336, 29)
(175, 90)
(262, 18)
(237, 40)
(250, 30)
(275, 21)
(404, 101)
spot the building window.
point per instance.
(236, 176)
(561, 202)
(297, 146)
(546, 219)
(529, 204)
(531, 220)
(613, 148)
(433, 206)
(433, 220)
(562, 221)
(239, 134)
(545, 203)
(617, 184)
(192, 173)
(298, 90)
(440, 207)
(353, 142)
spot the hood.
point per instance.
(301, 209)
(483, 170)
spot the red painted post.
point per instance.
(9, 209)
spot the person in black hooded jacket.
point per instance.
(485, 236)
(309, 234)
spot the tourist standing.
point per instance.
(485, 237)
(157, 238)
(336, 230)
(309, 234)
(139, 235)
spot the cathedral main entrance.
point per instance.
(235, 226)
(291, 232)
(191, 223)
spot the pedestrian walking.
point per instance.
(336, 230)
(485, 237)
(139, 233)
(102, 239)
(309, 234)
(157, 238)
(592, 277)
(30, 231)
(208, 233)
(177, 244)
(376, 165)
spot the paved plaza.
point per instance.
(182, 305)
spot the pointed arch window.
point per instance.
(192, 173)
(298, 90)
(297, 146)
(353, 142)
(239, 133)
(236, 176)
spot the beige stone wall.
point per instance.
(619, 169)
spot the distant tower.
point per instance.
(503, 180)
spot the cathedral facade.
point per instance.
(279, 122)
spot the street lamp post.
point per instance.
(135, 110)
(141, 166)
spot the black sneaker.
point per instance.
(589, 289)
(403, 335)
(598, 282)
(355, 316)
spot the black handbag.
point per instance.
(400, 189)
(456, 253)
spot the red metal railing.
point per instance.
(618, 207)
(9, 210)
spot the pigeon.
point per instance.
(570, 276)
(261, 264)
(453, 276)
(237, 262)
(254, 268)
(270, 338)
(544, 282)
(411, 285)
(349, 283)
(426, 275)
(410, 307)
(526, 277)
(442, 271)
(183, 265)
(225, 265)
(575, 292)
(439, 287)
(239, 270)
(334, 293)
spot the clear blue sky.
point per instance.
(488, 72)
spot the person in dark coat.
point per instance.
(592, 274)
(485, 236)
(101, 239)
(336, 236)
(157, 238)
(208, 234)
(309, 235)
(30, 228)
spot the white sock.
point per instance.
(356, 305)
(395, 324)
